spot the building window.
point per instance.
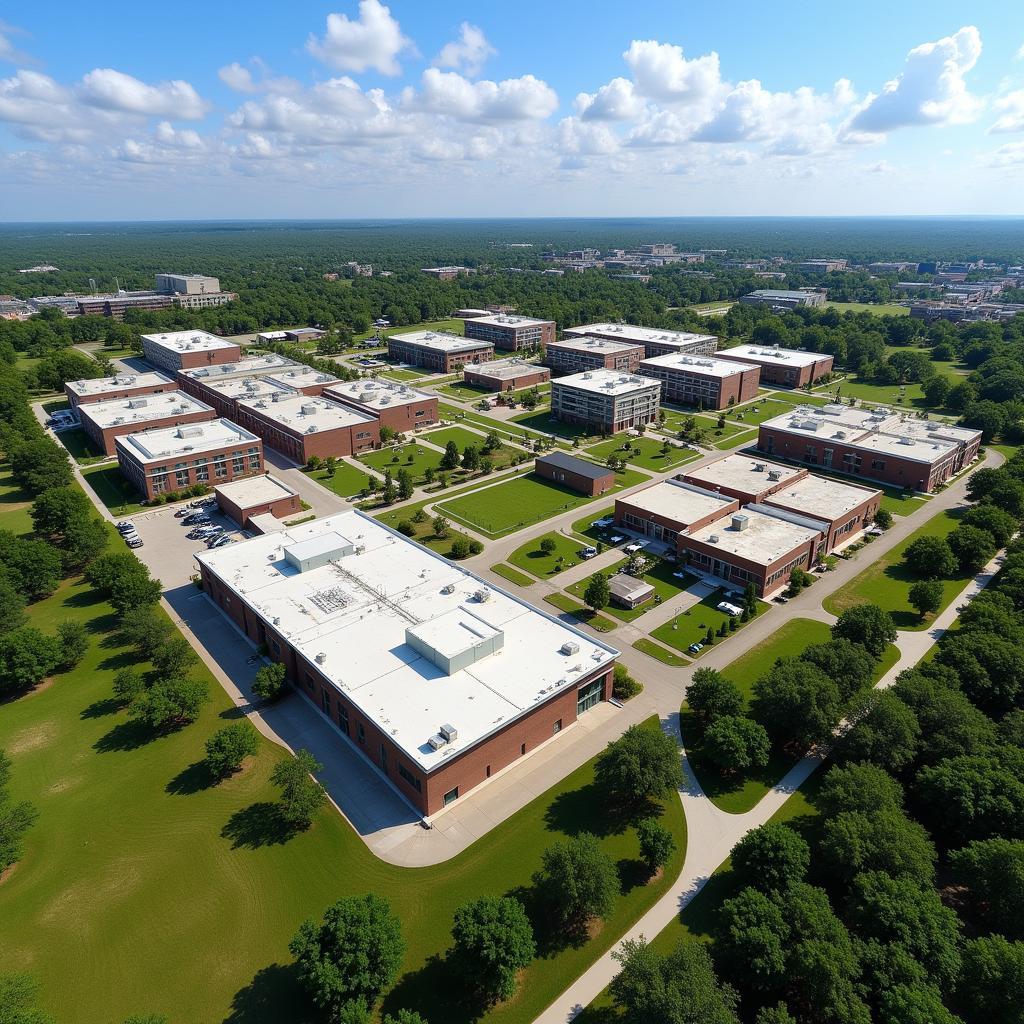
(383, 759)
(556, 728)
(451, 796)
(522, 749)
(343, 718)
(488, 771)
(588, 696)
(325, 700)
(361, 733)
(275, 646)
(409, 777)
(877, 464)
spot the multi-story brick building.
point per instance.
(104, 421)
(506, 375)
(576, 473)
(702, 381)
(507, 331)
(846, 508)
(656, 341)
(171, 458)
(122, 385)
(605, 400)
(573, 355)
(668, 510)
(741, 477)
(115, 306)
(428, 671)
(871, 444)
(300, 426)
(782, 367)
(186, 350)
(395, 405)
(434, 350)
(446, 273)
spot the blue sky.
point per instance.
(361, 108)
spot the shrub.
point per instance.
(270, 682)
(227, 748)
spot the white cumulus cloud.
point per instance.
(661, 71)
(1012, 107)
(114, 90)
(931, 89)
(514, 99)
(615, 101)
(372, 41)
(468, 53)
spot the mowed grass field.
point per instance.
(644, 452)
(144, 888)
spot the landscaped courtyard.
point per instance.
(644, 452)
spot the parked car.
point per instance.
(195, 518)
(600, 524)
(780, 600)
(125, 526)
(134, 542)
(219, 542)
(728, 608)
(588, 552)
(637, 545)
(202, 532)
(680, 575)
(183, 511)
(616, 538)
(695, 648)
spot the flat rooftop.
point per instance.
(781, 293)
(369, 595)
(639, 335)
(678, 501)
(164, 443)
(302, 376)
(574, 464)
(255, 490)
(510, 320)
(251, 366)
(438, 341)
(244, 387)
(113, 412)
(101, 385)
(774, 356)
(189, 341)
(301, 414)
(741, 473)
(705, 366)
(765, 540)
(821, 497)
(606, 382)
(599, 346)
(377, 394)
(505, 369)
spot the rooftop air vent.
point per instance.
(437, 741)
(774, 474)
(713, 539)
(570, 647)
(448, 588)
(759, 467)
(740, 522)
(449, 732)
(482, 595)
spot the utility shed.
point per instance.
(629, 591)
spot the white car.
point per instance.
(600, 524)
(729, 608)
(632, 549)
(588, 552)
(616, 539)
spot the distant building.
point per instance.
(781, 299)
(122, 385)
(470, 313)
(605, 400)
(743, 478)
(256, 497)
(104, 421)
(657, 249)
(782, 367)
(846, 508)
(185, 350)
(575, 473)
(115, 306)
(893, 267)
(704, 382)
(447, 273)
(574, 354)
(395, 405)
(186, 284)
(656, 341)
(509, 332)
(506, 375)
(822, 266)
(437, 351)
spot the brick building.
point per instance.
(656, 341)
(702, 381)
(846, 508)
(185, 350)
(782, 367)
(441, 685)
(300, 426)
(511, 332)
(103, 421)
(739, 476)
(780, 299)
(115, 306)
(395, 405)
(604, 400)
(243, 500)
(668, 510)
(575, 473)
(573, 355)
(871, 444)
(122, 385)
(434, 350)
(506, 375)
(171, 458)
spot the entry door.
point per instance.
(588, 696)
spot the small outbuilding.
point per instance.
(576, 473)
(629, 592)
(242, 500)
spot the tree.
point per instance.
(174, 657)
(598, 593)
(914, 1004)
(54, 510)
(710, 695)
(641, 765)
(996, 522)
(27, 657)
(931, 558)
(548, 545)
(885, 840)
(972, 547)
(389, 493)
(936, 390)
(926, 596)
(16, 818)
(771, 857)
(403, 1017)
(471, 457)
(993, 871)
(991, 985)
(353, 953)
(128, 685)
(40, 465)
(577, 881)
(405, 485)
(624, 686)
(867, 625)
(227, 748)
(12, 607)
(33, 567)
(128, 592)
(492, 442)
(441, 527)
(451, 457)
(886, 733)
(989, 667)
(796, 702)
(848, 664)
(171, 702)
(777, 1014)
(19, 996)
(751, 940)
(883, 519)
(73, 639)
(270, 682)
(656, 844)
(146, 629)
(301, 795)
(735, 743)
(493, 940)
(858, 787)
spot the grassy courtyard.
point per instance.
(644, 452)
(348, 480)
(595, 620)
(545, 423)
(462, 437)
(503, 509)
(534, 559)
(787, 642)
(761, 409)
(414, 457)
(691, 626)
(113, 490)
(660, 575)
(80, 446)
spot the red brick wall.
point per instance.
(527, 379)
(140, 475)
(126, 392)
(301, 447)
(623, 506)
(578, 482)
(401, 418)
(279, 508)
(837, 534)
(804, 552)
(212, 357)
(104, 439)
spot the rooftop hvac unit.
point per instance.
(588, 376)
(449, 732)
(740, 523)
(138, 403)
(309, 409)
(311, 429)
(366, 396)
(905, 440)
(321, 657)
(437, 741)
(483, 595)
(570, 647)
(760, 467)
(448, 588)
(190, 432)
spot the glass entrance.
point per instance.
(588, 696)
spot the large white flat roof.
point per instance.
(302, 414)
(705, 366)
(101, 385)
(194, 439)
(774, 356)
(301, 376)
(601, 346)
(678, 501)
(503, 369)
(765, 540)
(189, 341)
(741, 473)
(251, 366)
(349, 619)
(510, 320)
(254, 490)
(377, 394)
(607, 382)
(438, 341)
(821, 497)
(639, 335)
(244, 387)
(113, 412)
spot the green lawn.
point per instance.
(787, 642)
(541, 564)
(741, 440)
(462, 437)
(660, 576)
(887, 582)
(113, 490)
(593, 619)
(898, 395)
(514, 575)
(505, 428)
(703, 307)
(405, 373)
(416, 458)
(14, 505)
(878, 308)
(584, 527)
(80, 447)
(761, 409)
(690, 626)
(659, 653)
(464, 391)
(451, 326)
(545, 423)
(644, 452)
(519, 503)
(348, 479)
